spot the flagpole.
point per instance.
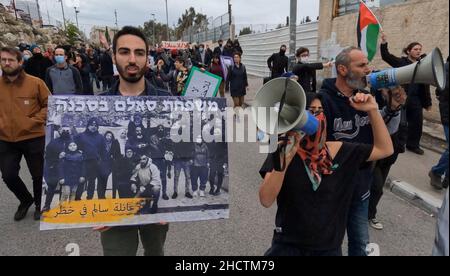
(379, 22)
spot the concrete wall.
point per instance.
(426, 21)
(259, 47)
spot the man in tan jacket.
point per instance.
(23, 113)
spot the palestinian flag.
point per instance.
(368, 31)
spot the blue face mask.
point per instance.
(26, 57)
(60, 59)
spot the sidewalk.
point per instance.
(409, 176)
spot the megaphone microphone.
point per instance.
(429, 70)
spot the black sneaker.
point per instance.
(417, 151)
(37, 214)
(175, 196)
(165, 197)
(188, 195)
(22, 211)
(435, 180)
(212, 192)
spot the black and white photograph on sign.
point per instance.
(114, 161)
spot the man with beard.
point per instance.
(347, 124)
(278, 63)
(37, 65)
(54, 153)
(130, 56)
(23, 113)
(145, 183)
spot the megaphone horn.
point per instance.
(429, 70)
(293, 115)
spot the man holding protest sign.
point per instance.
(130, 56)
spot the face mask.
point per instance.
(26, 57)
(304, 59)
(282, 52)
(201, 50)
(60, 59)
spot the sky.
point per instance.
(135, 12)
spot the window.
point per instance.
(343, 7)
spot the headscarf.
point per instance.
(314, 152)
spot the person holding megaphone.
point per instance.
(314, 192)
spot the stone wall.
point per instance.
(426, 21)
(13, 32)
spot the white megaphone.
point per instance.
(293, 115)
(429, 70)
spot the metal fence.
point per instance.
(259, 47)
(213, 30)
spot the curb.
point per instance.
(416, 197)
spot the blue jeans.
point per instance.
(358, 228)
(442, 167)
(199, 173)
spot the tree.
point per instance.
(245, 31)
(108, 38)
(190, 18)
(72, 33)
(160, 31)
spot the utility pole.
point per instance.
(64, 16)
(293, 27)
(15, 10)
(230, 19)
(76, 16)
(115, 14)
(167, 20)
(39, 13)
(154, 35)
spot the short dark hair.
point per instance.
(410, 47)
(181, 60)
(129, 30)
(13, 52)
(302, 50)
(237, 54)
(61, 47)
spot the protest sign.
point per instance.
(202, 84)
(113, 161)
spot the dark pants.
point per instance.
(124, 241)
(102, 185)
(10, 157)
(196, 174)
(290, 250)
(380, 175)
(107, 82)
(216, 169)
(414, 115)
(51, 189)
(92, 173)
(162, 167)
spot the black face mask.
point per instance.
(282, 52)
(38, 55)
(65, 135)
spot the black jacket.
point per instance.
(37, 66)
(442, 96)
(419, 91)
(197, 61)
(307, 75)
(278, 64)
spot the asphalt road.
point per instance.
(408, 230)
